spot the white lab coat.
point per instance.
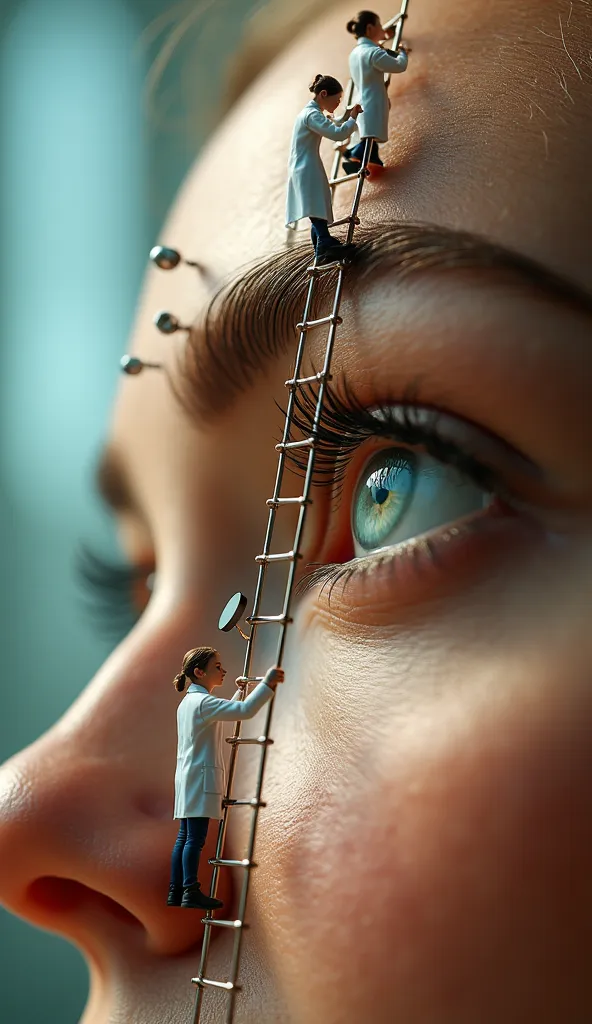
(309, 194)
(368, 63)
(200, 774)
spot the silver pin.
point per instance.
(133, 365)
(168, 323)
(168, 259)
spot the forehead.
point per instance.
(484, 137)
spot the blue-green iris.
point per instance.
(382, 499)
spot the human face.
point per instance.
(213, 674)
(375, 32)
(330, 103)
(424, 854)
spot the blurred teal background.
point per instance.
(88, 168)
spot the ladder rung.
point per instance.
(313, 271)
(285, 556)
(217, 923)
(261, 741)
(363, 173)
(244, 803)
(261, 620)
(276, 502)
(283, 446)
(249, 679)
(210, 983)
(296, 382)
(220, 862)
(306, 325)
(345, 220)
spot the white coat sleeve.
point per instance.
(320, 124)
(390, 63)
(216, 709)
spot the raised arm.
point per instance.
(390, 63)
(216, 709)
(317, 122)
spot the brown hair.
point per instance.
(199, 658)
(358, 26)
(326, 82)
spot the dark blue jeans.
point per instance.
(357, 153)
(319, 232)
(187, 850)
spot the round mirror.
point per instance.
(233, 612)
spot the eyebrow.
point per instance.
(250, 321)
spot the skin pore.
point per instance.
(425, 851)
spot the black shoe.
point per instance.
(194, 899)
(175, 896)
(351, 166)
(333, 253)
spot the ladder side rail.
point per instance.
(222, 828)
(235, 963)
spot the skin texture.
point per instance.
(425, 853)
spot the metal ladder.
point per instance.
(302, 501)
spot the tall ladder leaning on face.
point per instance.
(167, 323)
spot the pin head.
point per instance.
(167, 323)
(134, 365)
(233, 612)
(166, 259)
(131, 365)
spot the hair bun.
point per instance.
(352, 26)
(315, 82)
(179, 681)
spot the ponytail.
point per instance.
(325, 82)
(358, 26)
(179, 682)
(199, 658)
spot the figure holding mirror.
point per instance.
(200, 773)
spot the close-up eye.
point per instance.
(402, 494)
(431, 472)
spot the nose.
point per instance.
(86, 828)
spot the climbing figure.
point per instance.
(309, 194)
(368, 63)
(200, 774)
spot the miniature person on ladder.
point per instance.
(368, 63)
(309, 194)
(200, 774)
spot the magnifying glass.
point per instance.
(232, 614)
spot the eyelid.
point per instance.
(504, 460)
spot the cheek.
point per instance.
(430, 836)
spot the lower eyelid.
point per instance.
(433, 566)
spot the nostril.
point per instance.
(60, 895)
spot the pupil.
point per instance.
(380, 495)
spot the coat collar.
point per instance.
(196, 688)
(364, 41)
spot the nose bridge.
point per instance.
(86, 827)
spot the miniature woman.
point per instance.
(199, 778)
(309, 194)
(368, 64)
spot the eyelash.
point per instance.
(108, 591)
(345, 425)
